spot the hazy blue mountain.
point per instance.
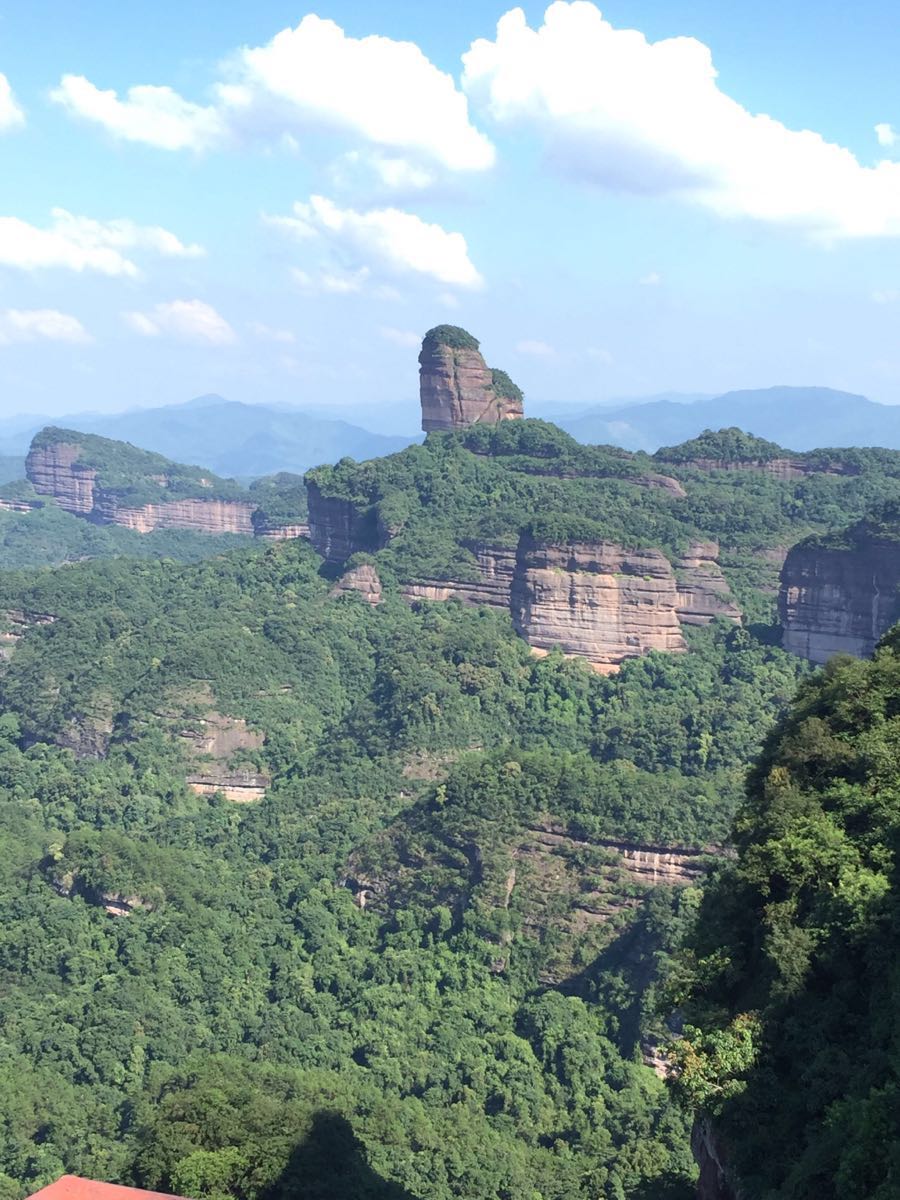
(801, 418)
(232, 439)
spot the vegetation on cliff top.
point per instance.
(503, 386)
(722, 445)
(453, 336)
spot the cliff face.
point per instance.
(703, 591)
(202, 516)
(53, 471)
(457, 388)
(715, 1182)
(496, 569)
(780, 468)
(363, 580)
(838, 601)
(597, 601)
(337, 530)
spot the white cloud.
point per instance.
(40, 324)
(156, 116)
(389, 239)
(267, 333)
(11, 114)
(535, 349)
(83, 244)
(189, 320)
(649, 117)
(401, 337)
(651, 279)
(384, 92)
(886, 135)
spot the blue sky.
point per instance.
(270, 202)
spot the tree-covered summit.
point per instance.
(722, 445)
(453, 336)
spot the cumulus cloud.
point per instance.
(11, 114)
(157, 116)
(649, 117)
(188, 320)
(384, 92)
(82, 244)
(535, 349)
(387, 239)
(401, 337)
(40, 324)
(886, 135)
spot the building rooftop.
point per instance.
(73, 1187)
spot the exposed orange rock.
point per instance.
(599, 601)
(202, 516)
(456, 389)
(363, 580)
(53, 471)
(703, 591)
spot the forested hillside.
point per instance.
(192, 986)
(791, 984)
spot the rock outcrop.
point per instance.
(703, 592)
(838, 600)
(54, 471)
(363, 580)
(282, 533)
(597, 601)
(337, 530)
(715, 1181)
(457, 388)
(496, 567)
(240, 787)
(201, 516)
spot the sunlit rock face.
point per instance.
(457, 388)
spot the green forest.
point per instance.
(476, 898)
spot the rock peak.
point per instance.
(457, 388)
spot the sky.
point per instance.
(274, 202)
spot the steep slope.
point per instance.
(790, 1056)
(115, 483)
(457, 388)
(840, 593)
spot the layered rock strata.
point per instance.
(362, 580)
(780, 468)
(597, 601)
(703, 592)
(201, 516)
(838, 601)
(457, 388)
(496, 567)
(53, 471)
(282, 533)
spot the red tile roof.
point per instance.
(73, 1187)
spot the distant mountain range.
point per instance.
(800, 418)
(246, 441)
(235, 440)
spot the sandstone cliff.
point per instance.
(598, 601)
(53, 471)
(496, 567)
(202, 516)
(337, 529)
(457, 388)
(363, 580)
(838, 600)
(703, 591)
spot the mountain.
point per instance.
(233, 439)
(799, 417)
